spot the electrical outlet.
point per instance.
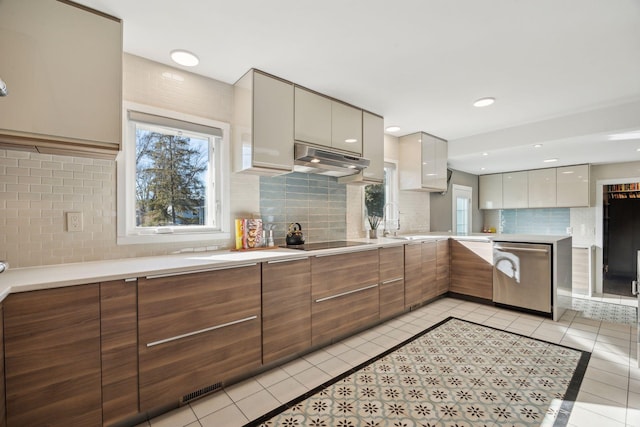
(74, 221)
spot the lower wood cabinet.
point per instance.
(52, 357)
(391, 281)
(442, 266)
(412, 274)
(429, 284)
(472, 268)
(345, 294)
(419, 272)
(196, 331)
(119, 350)
(286, 308)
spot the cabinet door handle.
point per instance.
(344, 253)
(206, 270)
(393, 280)
(512, 248)
(277, 261)
(346, 293)
(201, 331)
(131, 279)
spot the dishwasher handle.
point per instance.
(514, 248)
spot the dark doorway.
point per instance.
(621, 237)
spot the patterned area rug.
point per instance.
(457, 373)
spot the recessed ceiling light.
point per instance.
(482, 169)
(485, 154)
(350, 140)
(537, 146)
(392, 128)
(185, 58)
(550, 160)
(484, 102)
(637, 149)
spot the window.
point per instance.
(461, 199)
(380, 200)
(171, 178)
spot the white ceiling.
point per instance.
(565, 73)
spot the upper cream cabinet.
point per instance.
(423, 162)
(490, 191)
(572, 186)
(62, 64)
(542, 187)
(372, 149)
(322, 121)
(346, 127)
(312, 117)
(515, 190)
(263, 124)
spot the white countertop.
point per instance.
(53, 276)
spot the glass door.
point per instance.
(461, 209)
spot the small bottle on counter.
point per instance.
(270, 241)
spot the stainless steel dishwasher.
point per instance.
(522, 275)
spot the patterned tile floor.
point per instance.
(609, 395)
(441, 379)
(606, 311)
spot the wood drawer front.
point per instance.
(391, 298)
(54, 391)
(176, 305)
(391, 263)
(172, 370)
(119, 342)
(429, 285)
(197, 314)
(472, 268)
(286, 309)
(412, 274)
(335, 274)
(343, 315)
(443, 266)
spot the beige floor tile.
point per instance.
(312, 377)
(272, 376)
(601, 406)
(258, 404)
(177, 418)
(243, 389)
(296, 366)
(231, 416)
(613, 394)
(318, 356)
(210, 404)
(582, 417)
(334, 366)
(287, 390)
(618, 381)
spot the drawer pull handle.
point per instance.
(346, 293)
(278, 261)
(206, 270)
(513, 248)
(201, 331)
(393, 280)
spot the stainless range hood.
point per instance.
(321, 161)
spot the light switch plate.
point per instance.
(74, 221)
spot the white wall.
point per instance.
(36, 189)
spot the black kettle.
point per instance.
(295, 236)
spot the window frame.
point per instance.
(391, 191)
(127, 231)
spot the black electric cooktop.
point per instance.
(325, 245)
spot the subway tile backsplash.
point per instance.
(318, 203)
(535, 221)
